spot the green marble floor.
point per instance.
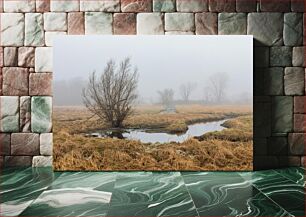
(42, 192)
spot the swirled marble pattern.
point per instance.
(151, 194)
(70, 202)
(283, 191)
(19, 188)
(295, 174)
(42, 192)
(75, 194)
(228, 194)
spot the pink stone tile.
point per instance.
(25, 144)
(206, 23)
(5, 143)
(10, 56)
(289, 161)
(1, 56)
(18, 161)
(76, 23)
(1, 81)
(15, 81)
(299, 124)
(297, 5)
(26, 56)
(296, 143)
(40, 84)
(272, 6)
(222, 6)
(124, 24)
(304, 35)
(246, 5)
(25, 114)
(136, 5)
(42, 5)
(299, 104)
(303, 161)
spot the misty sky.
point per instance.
(163, 61)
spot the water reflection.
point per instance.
(153, 137)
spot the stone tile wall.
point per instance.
(28, 26)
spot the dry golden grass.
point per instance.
(76, 153)
(177, 127)
(230, 149)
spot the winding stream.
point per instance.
(153, 137)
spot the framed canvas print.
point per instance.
(153, 103)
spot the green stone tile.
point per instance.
(70, 202)
(148, 187)
(228, 194)
(30, 192)
(151, 194)
(190, 177)
(285, 192)
(252, 203)
(102, 181)
(9, 115)
(19, 191)
(182, 208)
(75, 194)
(11, 172)
(173, 177)
(41, 110)
(296, 174)
(164, 5)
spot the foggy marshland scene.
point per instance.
(153, 103)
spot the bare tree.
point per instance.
(219, 84)
(166, 98)
(186, 90)
(111, 96)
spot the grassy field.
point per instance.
(230, 149)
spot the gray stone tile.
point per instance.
(281, 56)
(294, 81)
(282, 117)
(267, 28)
(274, 81)
(232, 24)
(293, 29)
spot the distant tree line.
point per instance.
(214, 92)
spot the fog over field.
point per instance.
(162, 62)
